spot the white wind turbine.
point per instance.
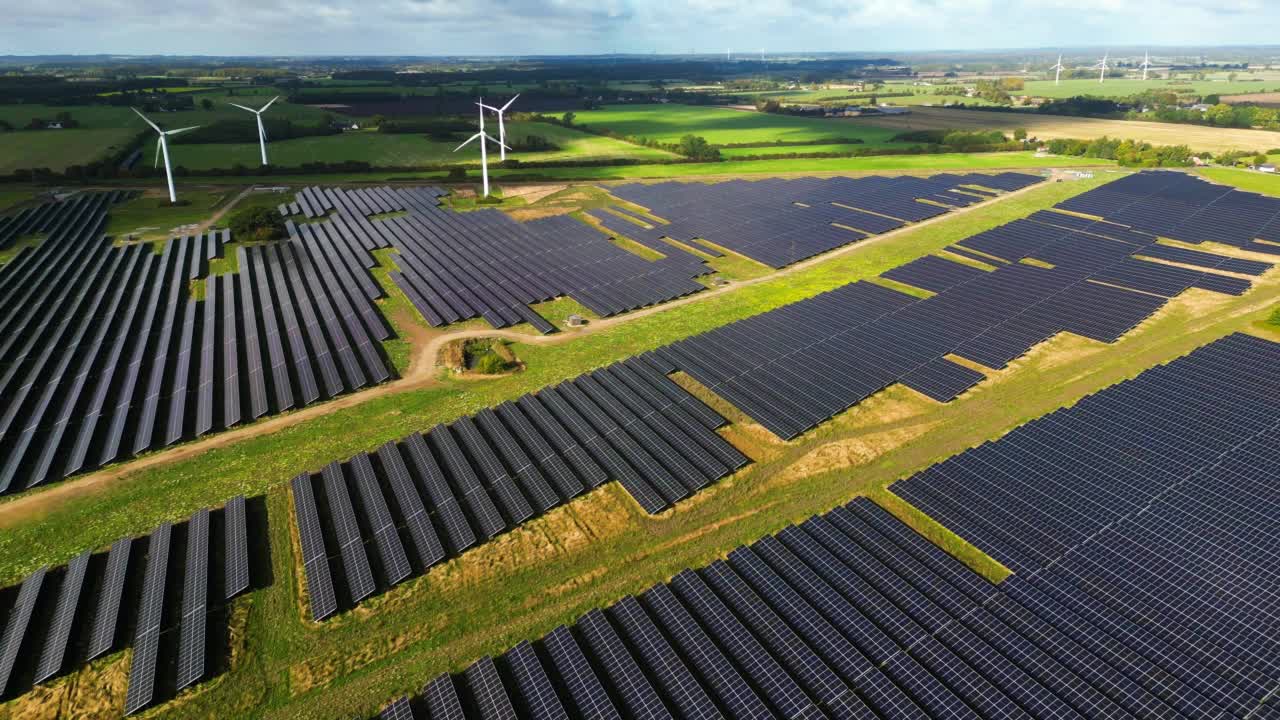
(162, 145)
(502, 128)
(1057, 71)
(262, 131)
(484, 151)
(1102, 66)
(1146, 64)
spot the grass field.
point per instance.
(1244, 179)
(1047, 127)
(152, 216)
(98, 117)
(56, 149)
(408, 150)
(600, 547)
(1125, 87)
(668, 123)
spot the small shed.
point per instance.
(575, 320)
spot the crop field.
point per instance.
(116, 117)
(597, 548)
(385, 149)
(1125, 87)
(720, 126)
(1047, 127)
(56, 149)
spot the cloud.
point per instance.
(450, 27)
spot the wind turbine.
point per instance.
(262, 131)
(1057, 71)
(484, 151)
(1102, 65)
(502, 128)
(1146, 64)
(162, 145)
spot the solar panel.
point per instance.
(195, 594)
(538, 695)
(442, 699)
(59, 631)
(589, 697)
(426, 543)
(487, 691)
(355, 563)
(237, 548)
(395, 565)
(315, 559)
(146, 642)
(399, 709)
(15, 629)
(103, 635)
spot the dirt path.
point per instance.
(226, 208)
(422, 373)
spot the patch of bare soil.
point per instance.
(525, 214)
(94, 691)
(531, 193)
(849, 452)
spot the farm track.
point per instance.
(423, 372)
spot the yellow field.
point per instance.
(1048, 127)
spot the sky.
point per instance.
(524, 27)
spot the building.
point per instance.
(1267, 168)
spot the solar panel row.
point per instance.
(106, 353)
(67, 616)
(456, 266)
(780, 222)
(854, 615)
(1185, 207)
(432, 496)
(1153, 498)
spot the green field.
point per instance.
(720, 126)
(400, 150)
(1244, 179)
(56, 149)
(1125, 87)
(114, 117)
(592, 551)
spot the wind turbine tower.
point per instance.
(1146, 64)
(502, 128)
(262, 131)
(162, 146)
(1102, 67)
(484, 151)
(1057, 71)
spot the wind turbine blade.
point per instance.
(144, 117)
(181, 130)
(468, 141)
(498, 142)
(264, 107)
(489, 107)
(504, 107)
(243, 107)
(156, 164)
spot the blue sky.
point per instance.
(447, 27)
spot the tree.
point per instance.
(257, 223)
(1020, 134)
(569, 117)
(697, 148)
(207, 104)
(1259, 160)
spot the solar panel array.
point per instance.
(381, 517)
(57, 220)
(854, 615)
(67, 616)
(779, 222)
(456, 266)
(1187, 208)
(1154, 502)
(796, 366)
(105, 352)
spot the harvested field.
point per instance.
(1048, 127)
(1267, 99)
